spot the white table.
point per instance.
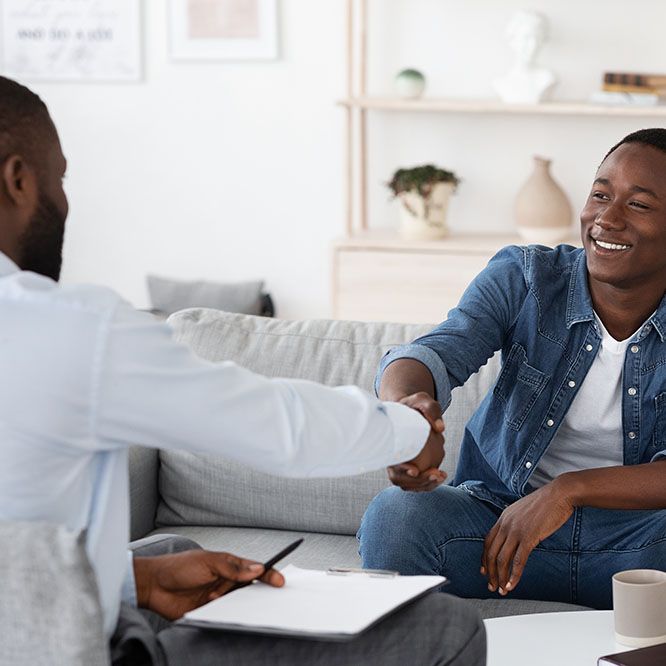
(551, 639)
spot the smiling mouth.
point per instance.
(610, 246)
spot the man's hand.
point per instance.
(172, 585)
(521, 527)
(423, 473)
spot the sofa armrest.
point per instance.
(144, 467)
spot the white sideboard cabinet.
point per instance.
(380, 277)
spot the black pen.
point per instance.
(271, 563)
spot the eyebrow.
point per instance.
(634, 188)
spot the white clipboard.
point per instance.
(313, 604)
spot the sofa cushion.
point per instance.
(318, 551)
(209, 490)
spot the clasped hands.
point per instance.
(521, 526)
(422, 473)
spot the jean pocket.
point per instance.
(518, 387)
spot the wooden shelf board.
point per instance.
(437, 105)
(479, 243)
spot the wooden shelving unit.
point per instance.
(358, 104)
(376, 274)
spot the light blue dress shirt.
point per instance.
(84, 376)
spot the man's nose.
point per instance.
(611, 217)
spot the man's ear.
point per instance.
(19, 182)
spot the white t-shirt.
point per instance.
(591, 432)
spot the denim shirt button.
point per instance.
(631, 391)
(572, 383)
(634, 349)
(528, 464)
(550, 423)
(588, 347)
(631, 435)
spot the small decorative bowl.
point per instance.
(410, 83)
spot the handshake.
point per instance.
(422, 473)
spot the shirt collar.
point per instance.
(658, 319)
(7, 266)
(579, 301)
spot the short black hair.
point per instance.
(653, 136)
(25, 124)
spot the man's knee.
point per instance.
(388, 515)
(394, 533)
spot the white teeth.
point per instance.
(611, 246)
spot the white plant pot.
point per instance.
(425, 218)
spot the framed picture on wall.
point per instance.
(61, 40)
(223, 29)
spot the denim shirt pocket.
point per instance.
(518, 387)
(659, 435)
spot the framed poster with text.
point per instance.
(71, 40)
(223, 29)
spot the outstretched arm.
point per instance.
(153, 391)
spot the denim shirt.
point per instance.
(533, 304)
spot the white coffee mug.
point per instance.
(639, 605)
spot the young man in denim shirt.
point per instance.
(561, 480)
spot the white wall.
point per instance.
(230, 171)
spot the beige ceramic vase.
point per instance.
(542, 209)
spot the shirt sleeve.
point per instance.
(153, 391)
(128, 594)
(474, 330)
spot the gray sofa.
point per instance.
(227, 506)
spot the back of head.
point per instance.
(25, 124)
(653, 136)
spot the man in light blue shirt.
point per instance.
(84, 376)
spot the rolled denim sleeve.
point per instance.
(430, 359)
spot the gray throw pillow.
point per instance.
(170, 296)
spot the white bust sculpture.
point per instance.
(525, 83)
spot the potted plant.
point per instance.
(424, 193)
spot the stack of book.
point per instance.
(632, 88)
(655, 655)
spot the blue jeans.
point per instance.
(442, 532)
